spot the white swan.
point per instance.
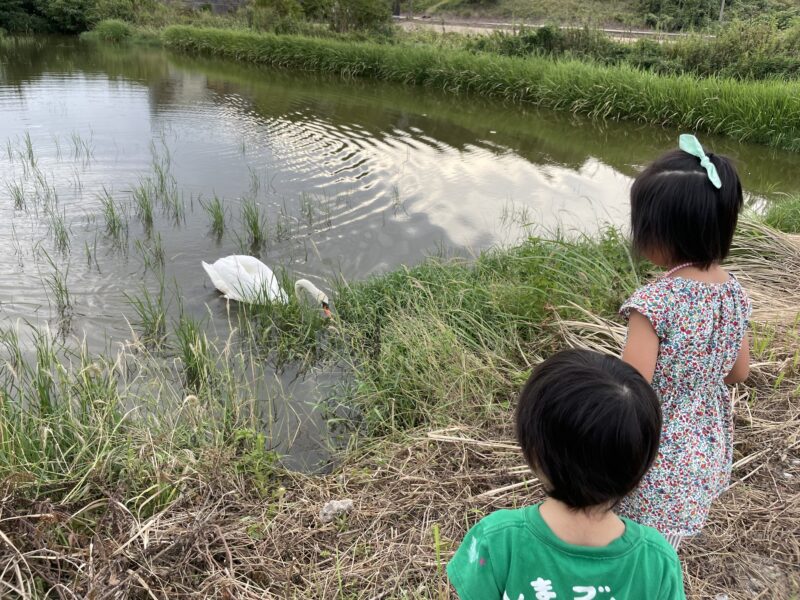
(246, 279)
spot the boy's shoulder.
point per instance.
(653, 541)
(507, 520)
(501, 520)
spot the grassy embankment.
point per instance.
(764, 112)
(109, 492)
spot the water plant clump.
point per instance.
(255, 223)
(59, 230)
(17, 192)
(82, 148)
(741, 110)
(152, 252)
(198, 362)
(144, 198)
(56, 283)
(216, 214)
(151, 312)
(116, 221)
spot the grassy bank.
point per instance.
(110, 492)
(762, 112)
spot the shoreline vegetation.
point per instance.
(766, 112)
(129, 475)
(110, 492)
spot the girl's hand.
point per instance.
(641, 349)
(741, 368)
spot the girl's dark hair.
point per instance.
(676, 209)
(590, 425)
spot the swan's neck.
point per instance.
(306, 286)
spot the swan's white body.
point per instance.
(246, 279)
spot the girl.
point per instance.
(687, 332)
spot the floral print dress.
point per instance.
(700, 327)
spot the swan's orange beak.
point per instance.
(326, 309)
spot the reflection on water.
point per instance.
(352, 178)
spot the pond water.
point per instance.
(351, 178)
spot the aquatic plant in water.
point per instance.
(255, 223)
(216, 213)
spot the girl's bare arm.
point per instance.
(641, 349)
(741, 368)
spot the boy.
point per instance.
(588, 425)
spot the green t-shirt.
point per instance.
(513, 555)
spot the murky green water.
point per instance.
(353, 178)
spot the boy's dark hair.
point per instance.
(590, 425)
(676, 209)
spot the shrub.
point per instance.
(277, 16)
(19, 16)
(317, 10)
(280, 8)
(678, 14)
(67, 16)
(551, 41)
(362, 15)
(113, 30)
(125, 10)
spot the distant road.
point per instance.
(455, 25)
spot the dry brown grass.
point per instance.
(222, 541)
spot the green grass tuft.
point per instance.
(784, 215)
(448, 339)
(110, 30)
(216, 214)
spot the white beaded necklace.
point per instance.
(674, 270)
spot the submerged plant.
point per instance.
(283, 223)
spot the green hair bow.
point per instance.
(688, 143)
